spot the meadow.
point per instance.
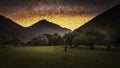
(56, 57)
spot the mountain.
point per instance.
(46, 27)
(9, 29)
(104, 22)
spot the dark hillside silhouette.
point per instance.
(105, 22)
(46, 27)
(9, 28)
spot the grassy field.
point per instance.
(55, 57)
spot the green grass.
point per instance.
(55, 57)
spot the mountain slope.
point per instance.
(9, 29)
(104, 22)
(46, 27)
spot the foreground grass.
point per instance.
(55, 57)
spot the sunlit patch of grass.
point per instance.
(55, 57)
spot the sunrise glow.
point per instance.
(62, 20)
(66, 13)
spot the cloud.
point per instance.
(67, 13)
(62, 6)
(55, 7)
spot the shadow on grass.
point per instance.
(96, 48)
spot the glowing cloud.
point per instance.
(66, 13)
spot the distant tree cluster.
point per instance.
(74, 39)
(91, 38)
(9, 40)
(47, 39)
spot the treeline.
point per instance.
(74, 39)
(93, 37)
(47, 39)
(8, 40)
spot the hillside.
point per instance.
(9, 29)
(105, 22)
(46, 27)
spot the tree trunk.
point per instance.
(92, 46)
(109, 47)
(65, 48)
(75, 46)
(71, 46)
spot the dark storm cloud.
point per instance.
(83, 6)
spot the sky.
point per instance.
(66, 13)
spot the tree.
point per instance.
(108, 41)
(78, 40)
(40, 40)
(92, 37)
(50, 38)
(68, 39)
(8, 39)
(115, 35)
(112, 37)
(47, 39)
(57, 39)
(15, 41)
(54, 39)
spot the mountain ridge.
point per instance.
(104, 22)
(25, 34)
(50, 28)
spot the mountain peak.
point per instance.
(46, 27)
(10, 29)
(44, 20)
(46, 23)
